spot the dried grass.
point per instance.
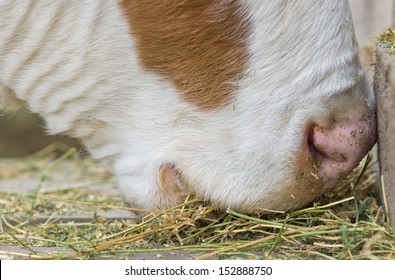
(387, 40)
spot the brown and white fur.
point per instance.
(223, 99)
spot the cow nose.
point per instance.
(339, 148)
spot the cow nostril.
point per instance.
(338, 148)
(310, 144)
(321, 147)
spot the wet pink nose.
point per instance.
(339, 148)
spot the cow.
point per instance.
(248, 104)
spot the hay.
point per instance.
(387, 40)
(347, 223)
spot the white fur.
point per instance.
(75, 63)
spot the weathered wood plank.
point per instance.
(10, 252)
(384, 87)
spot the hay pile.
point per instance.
(387, 39)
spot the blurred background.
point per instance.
(371, 17)
(22, 133)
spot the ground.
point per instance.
(68, 207)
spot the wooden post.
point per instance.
(384, 88)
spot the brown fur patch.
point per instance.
(199, 45)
